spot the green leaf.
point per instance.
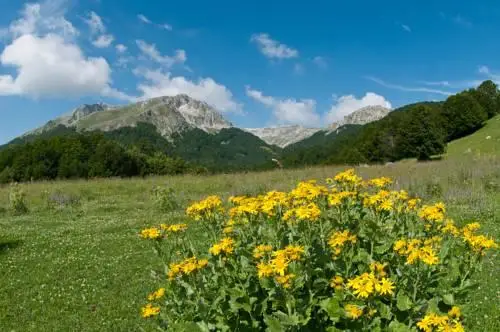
(449, 299)
(332, 308)
(403, 302)
(396, 326)
(382, 249)
(273, 324)
(385, 311)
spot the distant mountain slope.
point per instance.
(363, 116)
(282, 136)
(169, 115)
(484, 141)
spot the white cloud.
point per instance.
(345, 105)
(408, 89)
(120, 48)
(272, 48)
(95, 23)
(50, 66)
(144, 19)
(406, 27)
(320, 62)
(288, 111)
(43, 18)
(205, 89)
(484, 70)
(47, 61)
(103, 41)
(152, 52)
(165, 26)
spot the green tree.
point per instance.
(462, 115)
(487, 96)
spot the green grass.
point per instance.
(484, 141)
(82, 267)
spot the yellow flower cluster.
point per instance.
(337, 198)
(385, 200)
(353, 311)
(348, 177)
(337, 282)
(381, 182)
(449, 227)
(339, 239)
(224, 246)
(279, 263)
(367, 284)
(152, 233)
(149, 311)
(261, 250)
(417, 249)
(433, 213)
(307, 191)
(450, 323)
(478, 243)
(267, 204)
(310, 212)
(156, 295)
(186, 267)
(176, 228)
(205, 208)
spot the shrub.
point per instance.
(17, 200)
(347, 256)
(60, 200)
(164, 198)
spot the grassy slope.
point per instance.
(478, 143)
(84, 268)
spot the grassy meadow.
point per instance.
(78, 264)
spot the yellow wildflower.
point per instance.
(260, 250)
(385, 287)
(205, 208)
(264, 270)
(285, 280)
(363, 285)
(150, 311)
(151, 233)
(337, 282)
(454, 312)
(185, 267)
(225, 246)
(158, 294)
(380, 182)
(353, 311)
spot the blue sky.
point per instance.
(261, 63)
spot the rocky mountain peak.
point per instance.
(363, 116)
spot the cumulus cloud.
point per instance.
(47, 61)
(42, 18)
(152, 52)
(345, 105)
(289, 110)
(103, 41)
(120, 48)
(51, 66)
(159, 84)
(97, 26)
(272, 48)
(95, 23)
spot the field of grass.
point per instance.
(80, 265)
(484, 141)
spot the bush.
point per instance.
(347, 256)
(60, 200)
(164, 198)
(17, 200)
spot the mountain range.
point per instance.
(173, 116)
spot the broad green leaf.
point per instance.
(385, 311)
(396, 326)
(332, 308)
(403, 302)
(449, 299)
(273, 324)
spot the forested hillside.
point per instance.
(419, 131)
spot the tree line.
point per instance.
(419, 131)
